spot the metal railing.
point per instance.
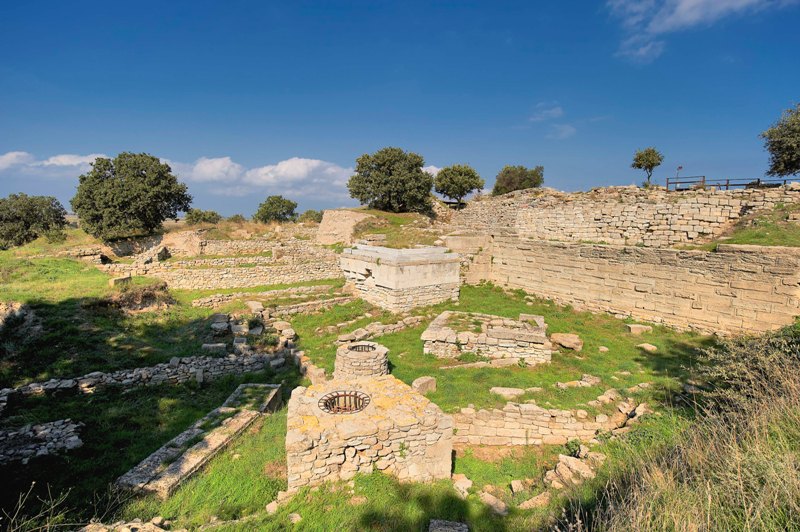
(700, 182)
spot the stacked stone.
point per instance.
(500, 338)
(526, 424)
(620, 215)
(305, 307)
(736, 289)
(217, 300)
(361, 359)
(399, 432)
(376, 328)
(177, 370)
(38, 440)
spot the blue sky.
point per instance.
(248, 99)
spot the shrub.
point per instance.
(782, 141)
(199, 216)
(457, 181)
(237, 219)
(131, 194)
(513, 178)
(276, 209)
(25, 218)
(392, 180)
(647, 159)
(311, 216)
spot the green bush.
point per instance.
(513, 178)
(25, 218)
(237, 219)
(392, 180)
(129, 195)
(276, 209)
(311, 216)
(199, 216)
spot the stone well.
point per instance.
(361, 359)
(401, 279)
(495, 337)
(379, 423)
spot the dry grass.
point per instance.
(737, 468)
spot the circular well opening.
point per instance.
(344, 402)
(362, 348)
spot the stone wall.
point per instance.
(218, 300)
(526, 424)
(31, 441)
(737, 289)
(175, 371)
(620, 215)
(522, 340)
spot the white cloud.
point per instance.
(431, 169)
(561, 131)
(645, 20)
(546, 111)
(216, 169)
(14, 158)
(297, 169)
(68, 159)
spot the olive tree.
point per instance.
(392, 180)
(457, 181)
(131, 194)
(25, 218)
(512, 178)
(647, 159)
(782, 141)
(199, 216)
(276, 209)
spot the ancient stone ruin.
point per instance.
(512, 341)
(361, 359)
(364, 420)
(401, 279)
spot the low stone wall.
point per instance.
(376, 329)
(737, 289)
(175, 371)
(20, 445)
(230, 277)
(526, 424)
(218, 300)
(172, 464)
(306, 307)
(524, 340)
(620, 215)
(400, 432)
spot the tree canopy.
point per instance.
(647, 159)
(25, 218)
(276, 209)
(513, 178)
(311, 216)
(392, 180)
(457, 181)
(782, 141)
(131, 194)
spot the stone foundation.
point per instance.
(399, 432)
(44, 439)
(401, 279)
(527, 424)
(492, 336)
(361, 359)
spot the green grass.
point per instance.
(456, 388)
(121, 429)
(402, 230)
(773, 229)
